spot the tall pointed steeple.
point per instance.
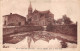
(30, 8)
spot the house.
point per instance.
(14, 20)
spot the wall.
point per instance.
(16, 20)
(21, 29)
(64, 29)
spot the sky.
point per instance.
(57, 7)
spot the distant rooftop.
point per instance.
(9, 15)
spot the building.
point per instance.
(14, 20)
(39, 18)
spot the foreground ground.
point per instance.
(35, 37)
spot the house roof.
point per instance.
(14, 15)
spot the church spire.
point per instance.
(30, 8)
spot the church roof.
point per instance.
(42, 12)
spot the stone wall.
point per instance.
(64, 29)
(11, 30)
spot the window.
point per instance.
(19, 23)
(4, 22)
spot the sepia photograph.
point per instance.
(40, 24)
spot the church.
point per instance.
(39, 18)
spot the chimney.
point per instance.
(10, 13)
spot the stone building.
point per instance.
(14, 20)
(39, 18)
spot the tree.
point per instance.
(66, 20)
(54, 21)
(59, 21)
(49, 27)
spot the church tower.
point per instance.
(30, 9)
